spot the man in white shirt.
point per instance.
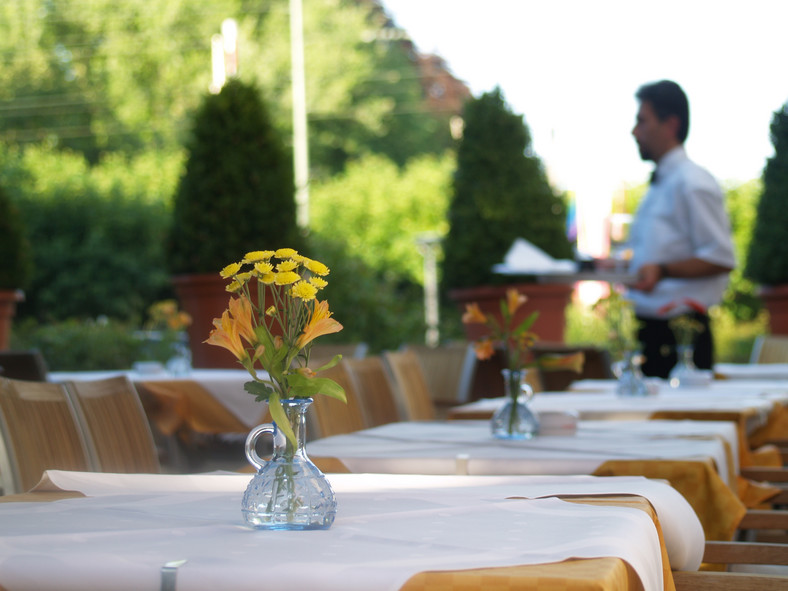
(680, 238)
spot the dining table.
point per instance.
(392, 532)
(698, 457)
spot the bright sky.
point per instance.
(571, 67)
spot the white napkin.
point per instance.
(525, 258)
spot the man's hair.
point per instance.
(667, 98)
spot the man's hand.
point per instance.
(648, 276)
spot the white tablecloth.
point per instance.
(750, 371)
(388, 528)
(596, 399)
(467, 447)
(226, 385)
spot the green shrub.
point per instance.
(767, 260)
(500, 193)
(237, 191)
(80, 345)
(15, 262)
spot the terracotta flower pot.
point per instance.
(775, 299)
(8, 301)
(204, 298)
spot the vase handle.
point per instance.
(251, 441)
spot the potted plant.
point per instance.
(237, 191)
(15, 264)
(767, 259)
(501, 193)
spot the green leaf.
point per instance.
(527, 323)
(260, 390)
(301, 385)
(280, 418)
(330, 364)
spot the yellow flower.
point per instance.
(316, 267)
(267, 278)
(320, 323)
(288, 265)
(286, 278)
(514, 300)
(473, 315)
(263, 268)
(318, 282)
(234, 287)
(285, 253)
(258, 255)
(243, 277)
(271, 311)
(303, 290)
(230, 270)
(571, 362)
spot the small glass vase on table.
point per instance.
(515, 420)
(685, 329)
(270, 324)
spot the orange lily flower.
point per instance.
(484, 349)
(225, 334)
(241, 311)
(473, 315)
(319, 324)
(514, 299)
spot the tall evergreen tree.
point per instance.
(237, 192)
(767, 260)
(500, 193)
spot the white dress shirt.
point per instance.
(682, 216)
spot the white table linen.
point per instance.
(749, 371)
(467, 447)
(388, 528)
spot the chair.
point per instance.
(748, 566)
(595, 367)
(448, 370)
(40, 431)
(411, 385)
(374, 389)
(23, 365)
(327, 351)
(334, 417)
(770, 349)
(116, 423)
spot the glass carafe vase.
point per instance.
(629, 377)
(684, 373)
(288, 491)
(515, 420)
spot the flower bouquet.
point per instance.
(619, 315)
(685, 328)
(515, 420)
(271, 322)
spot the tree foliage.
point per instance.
(237, 191)
(379, 211)
(767, 259)
(500, 193)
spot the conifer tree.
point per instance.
(767, 260)
(500, 193)
(237, 192)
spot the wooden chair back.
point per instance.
(327, 351)
(374, 390)
(116, 423)
(770, 349)
(448, 370)
(23, 365)
(410, 385)
(40, 431)
(334, 417)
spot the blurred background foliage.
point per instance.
(97, 100)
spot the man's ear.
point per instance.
(673, 124)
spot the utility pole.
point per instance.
(300, 141)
